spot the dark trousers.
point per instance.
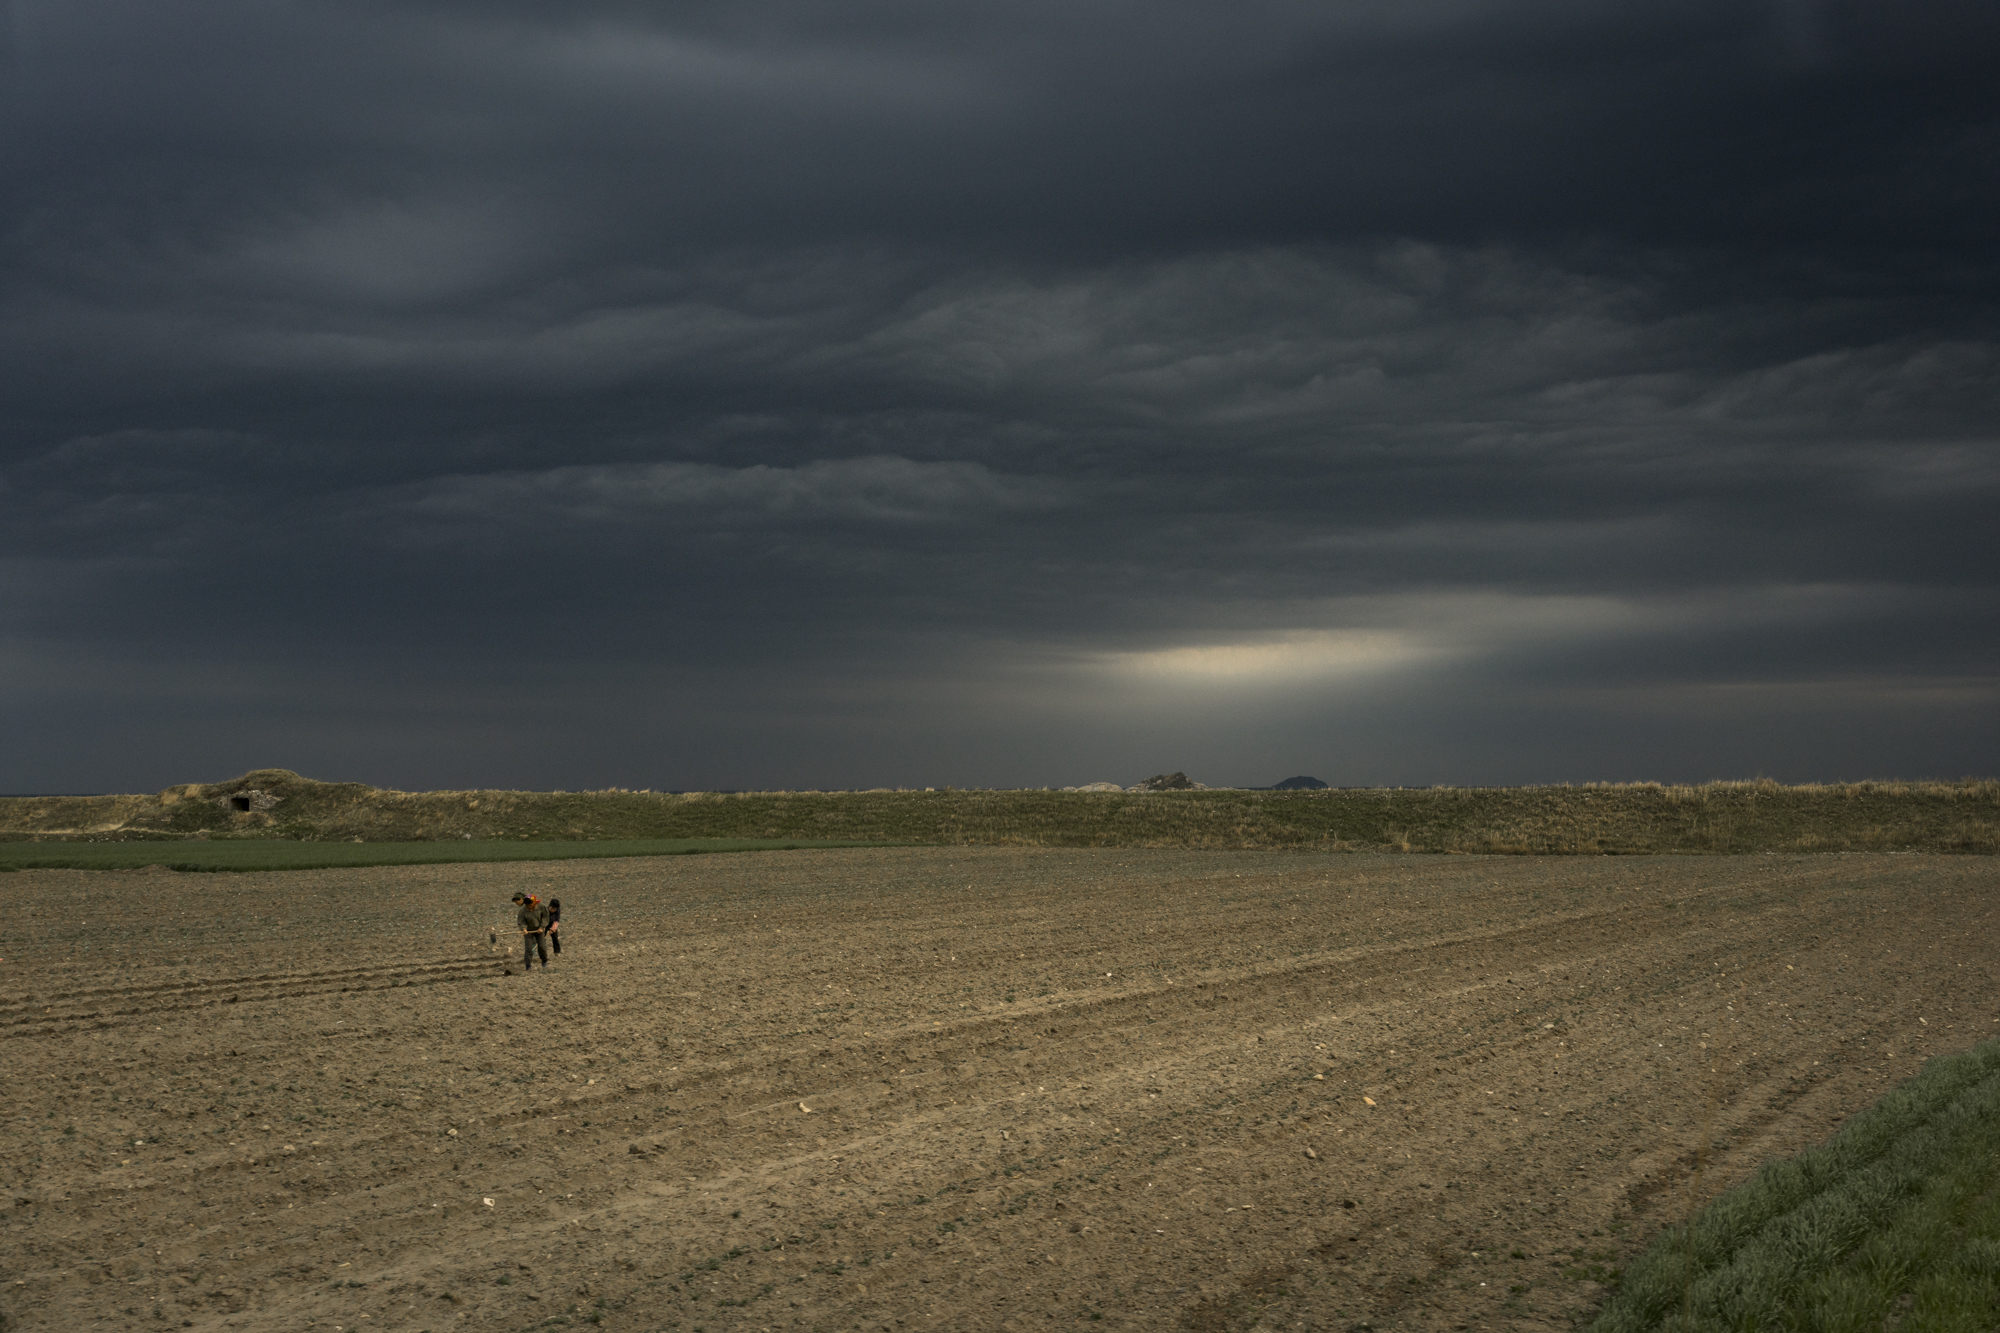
(555, 939)
(531, 944)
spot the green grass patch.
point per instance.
(1893, 1222)
(273, 854)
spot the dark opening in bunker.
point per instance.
(239, 803)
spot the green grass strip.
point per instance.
(1903, 1201)
(1962, 1295)
(276, 854)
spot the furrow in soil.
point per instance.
(957, 1088)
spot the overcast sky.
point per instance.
(776, 393)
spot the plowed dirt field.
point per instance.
(937, 1088)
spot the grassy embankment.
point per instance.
(1898, 1215)
(235, 853)
(1720, 817)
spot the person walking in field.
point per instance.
(533, 918)
(555, 924)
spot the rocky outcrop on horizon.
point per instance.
(1158, 782)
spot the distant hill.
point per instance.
(1596, 819)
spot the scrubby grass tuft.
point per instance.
(1902, 1206)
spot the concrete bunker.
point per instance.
(247, 802)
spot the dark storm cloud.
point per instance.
(979, 393)
(627, 129)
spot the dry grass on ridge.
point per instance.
(1593, 819)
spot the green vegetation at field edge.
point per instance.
(222, 854)
(1899, 1212)
(1630, 818)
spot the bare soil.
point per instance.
(938, 1088)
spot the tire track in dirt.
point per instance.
(315, 977)
(18, 1019)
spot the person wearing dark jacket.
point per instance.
(555, 924)
(533, 918)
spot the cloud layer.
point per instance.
(763, 395)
